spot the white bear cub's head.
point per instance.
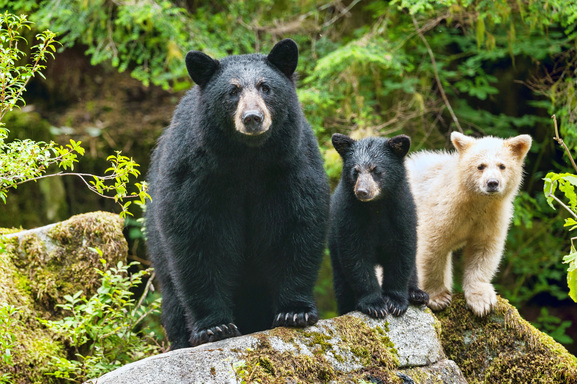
(490, 165)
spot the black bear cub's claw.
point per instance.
(417, 296)
(218, 332)
(396, 307)
(375, 308)
(296, 318)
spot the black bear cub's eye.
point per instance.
(502, 166)
(264, 88)
(481, 167)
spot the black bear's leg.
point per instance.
(293, 269)
(416, 295)
(173, 316)
(361, 275)
(292, 284)
(343, 291)
(396, 275)
(203, 271)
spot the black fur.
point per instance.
(377, 232)
(237, 223)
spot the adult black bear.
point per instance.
(373, 223)
(240, 200)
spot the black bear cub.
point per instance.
(240, 201)
(373, 223)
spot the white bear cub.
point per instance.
(465, 200)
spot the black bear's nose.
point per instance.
(362, 193)
(493, 185)
(252, 119)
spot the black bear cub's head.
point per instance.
(253, 91)
(373, 165)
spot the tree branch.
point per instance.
(441, 89)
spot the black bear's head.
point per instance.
(373, 165)
(248, 93)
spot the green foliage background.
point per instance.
(505, 66)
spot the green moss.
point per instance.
(502, 347)
(34, 277)
(350, 335)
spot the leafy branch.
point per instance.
(22, 161)
(566, 183)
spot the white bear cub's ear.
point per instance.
(461, 142)
(519, 145)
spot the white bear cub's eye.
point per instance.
(481, 167)
(502, 166)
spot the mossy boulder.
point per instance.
(38, 268)
(503, 348)
(451, 347)
(347, 349)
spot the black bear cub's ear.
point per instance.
(200, 67)
(285, 56)
(342, 143)
(399, 144)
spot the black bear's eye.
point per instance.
(234, 91)
(264, 88)
(502, 166)
(481, 167)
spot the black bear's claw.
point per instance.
(218, 332)
(396, 307)
(417, 296)
(295, 319)
(374, 308)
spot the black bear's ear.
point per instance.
(342, 143)
(285, 56)
(200, 67)
(399, 144)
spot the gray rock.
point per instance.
(411, 341)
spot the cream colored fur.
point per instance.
(458, 206)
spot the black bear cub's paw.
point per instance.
(396, 305)
(297, 317)
(216, 333)
(417, 296)
(373, 306)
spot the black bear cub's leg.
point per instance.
(363, 280)
(416, 295)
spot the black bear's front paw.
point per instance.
(374, 307)
(417, 296)
(296, 318)
(218, 332)
(396, 306)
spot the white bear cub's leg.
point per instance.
(436, 278)
(481, 262)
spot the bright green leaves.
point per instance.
(566, 183)
(22, 161)
(571, 259)
(14, 76)
(102, 330)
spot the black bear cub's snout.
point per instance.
(366, 188)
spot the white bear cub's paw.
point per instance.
(439, 301)
(481, 298)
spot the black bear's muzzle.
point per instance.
(252, 121)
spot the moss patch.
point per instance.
(36, 271)
(503, 347)
(327, 351)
